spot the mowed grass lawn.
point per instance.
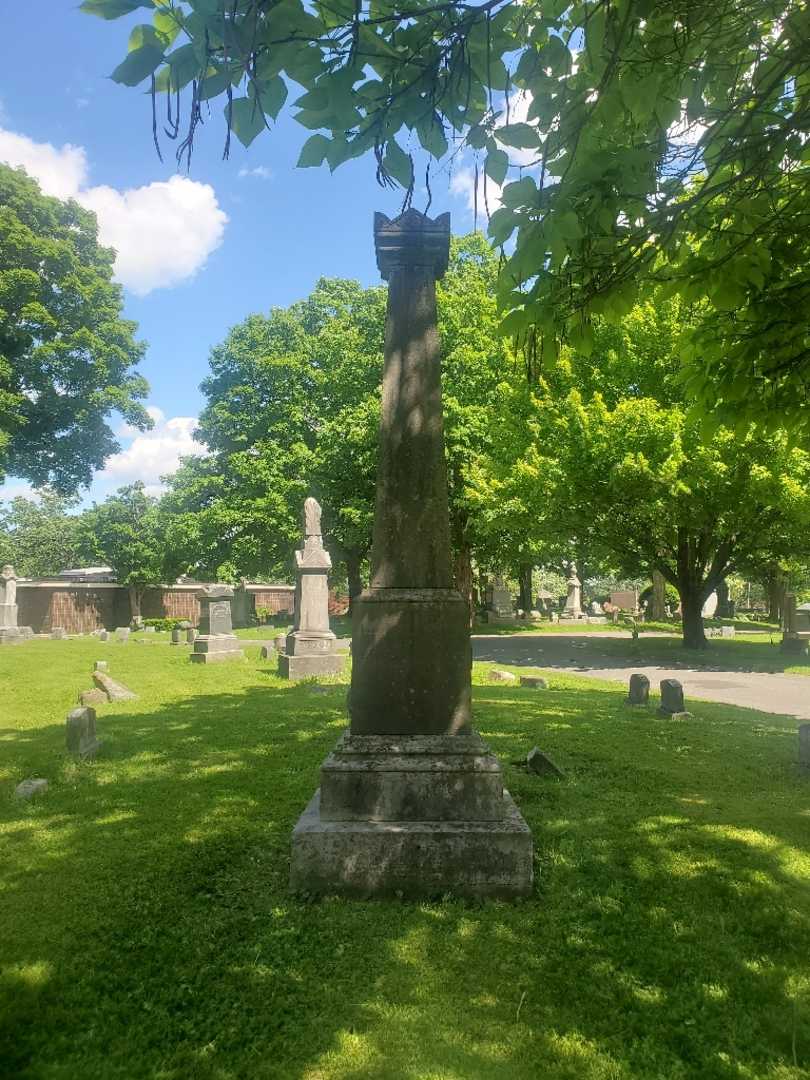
(146, 929)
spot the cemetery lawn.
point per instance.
(146, 930)
(753, 652)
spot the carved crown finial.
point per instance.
(412, 241)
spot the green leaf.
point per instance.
(272, 93)
(432, 137)
(138, 66)
(522, 136)
(313, 152)
(497, 165)
(502, 225)
(144, 34)
(397, 163)
(185, 66)
(247, 119)
(113, 9)
(520, 193)
(213, 85)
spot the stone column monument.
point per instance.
(9, 630)
(411, 800)
(216, 640)
(310, 646)
(500, 607)
(573, 602)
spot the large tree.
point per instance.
(652, 138)
(128, 533)
(605, 450)
(66, 355)
(41, 536)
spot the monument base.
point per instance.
(417, 814)
(10, 635)
(214, 648)
(308, 667)
(412, 858)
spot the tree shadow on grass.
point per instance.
(150, 934)
(588, 651)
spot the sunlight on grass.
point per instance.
(145, 894)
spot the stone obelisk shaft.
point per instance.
(410, 642)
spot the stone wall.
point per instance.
(81, 607)
(78, 608)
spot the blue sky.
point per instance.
(196, 255)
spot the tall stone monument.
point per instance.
(216, 640)
(310, 645)
(411, 800)
(573, 602)
(10, 632)
(500, 609)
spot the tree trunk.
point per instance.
(352, 559)
(525, 577)
(776, 595)
(463, 575)
(135, 595)
(657, 609)
(692, 599)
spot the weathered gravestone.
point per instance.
(639, 691)
(216, 640)
(92, 697)
(804, 745)
(81, 732)
(497, 675)
(103, 635)
(411, 801)
(28, 788)
(534, 682)
(500, 608)
(58, 633)
(191, 635)
(177, 636)
(280, 642)
(115, 691)
(122, 634)
(728, 631)
(149, 630)
(672, 700)
(310, 646)
(100, 665)
(541, 764)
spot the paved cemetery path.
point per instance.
(581, 654)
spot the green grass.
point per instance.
(146, 930)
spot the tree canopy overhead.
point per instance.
(66, 355)
(642, 138)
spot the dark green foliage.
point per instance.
(66, 355)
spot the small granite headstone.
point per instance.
(58, 632)
(672, 700)
(267, 652)
(92, 697)
(639, 692)
(728, 631)
(28, 788)
(122, 634)
(541, 764)
(496, 675)
(176, 636)
(280, 641)
(103, 635)
(149, 629)
(100, 665)
(191, 635)
(81, 732)
(804, 745)
(216, 640)
(535, 682)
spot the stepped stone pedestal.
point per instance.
(216, 640)
(411, 800)
(309, 649)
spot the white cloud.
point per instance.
(260, 171)
(13, 489)
(151, 454)
(162, 232)
(462, 184)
